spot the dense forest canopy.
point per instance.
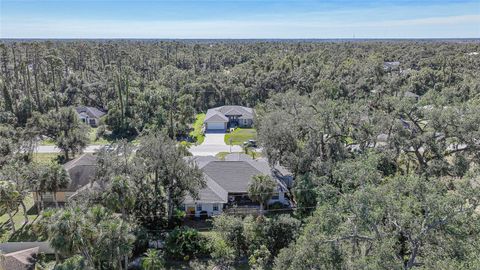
(382, 137)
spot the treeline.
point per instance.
(162, 84)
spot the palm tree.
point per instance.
(55, 178)
(152, 260)
(261, 189)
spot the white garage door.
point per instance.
(216, 125)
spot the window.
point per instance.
(215, 207)
(199, 207)
(184, 207)
(275, 197)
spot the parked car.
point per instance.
(250, 143)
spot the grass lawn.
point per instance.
(197, 128)
(221, 155)
(253, 154)
(240, 135)
(92, 136)
(21, 235)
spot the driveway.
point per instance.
(212, 145)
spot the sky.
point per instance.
(239, 19)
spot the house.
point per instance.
(20, 260)
(81, 171)
(220, 118)
(391, 66)
(90, 115)
(227, 184)
(412, 96)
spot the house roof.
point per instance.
(92, 112)
(392, 64)
(233, 176)
(219, 114)
(20, 260)
(81, 171)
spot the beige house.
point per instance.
(81, 171)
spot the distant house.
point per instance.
(412, 95)
(81, 171)
(391, 66)
(220, 118)
(227, 184)
(20, 260)
(90, 115)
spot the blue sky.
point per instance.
(239, 19)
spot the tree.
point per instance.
(120, 195)
(164, 177)
(17, 174)
(76, 262)
(261, 189)
(304, 195)
(230, 228)
(103, 239)
(185, 243)
(9, 202)
(64, 127)
(53, 179)
(403, 222)
(152, 260)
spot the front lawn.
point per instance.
(23, 233)
(240, 135)
(94, 140)
(197, 128)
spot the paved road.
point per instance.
(54, 149)
(212, 145)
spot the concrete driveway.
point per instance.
(212, 145)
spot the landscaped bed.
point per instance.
(240, 135)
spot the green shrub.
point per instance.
(185, 243)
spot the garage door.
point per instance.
(216, 126)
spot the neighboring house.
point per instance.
(412, 95)
(227, 184)
(391, 66)
(19, 260)
(90, 115)
(81, 171)
(220, 118)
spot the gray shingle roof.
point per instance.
(233, 176)
(90, 111)
(218, 114)
(20, 260)
(81, 171)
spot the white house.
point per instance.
(220, 118)
(90, 115)
(227, 184)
